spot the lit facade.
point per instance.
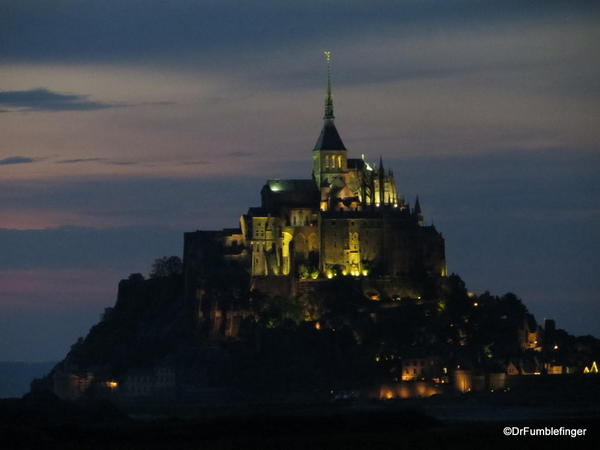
(347, 219)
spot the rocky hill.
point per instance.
(154, 342)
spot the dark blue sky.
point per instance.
(127, 122)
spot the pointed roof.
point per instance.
(417, 209)
(329, 139)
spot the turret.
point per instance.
(417, 211)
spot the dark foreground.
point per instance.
(435, 424)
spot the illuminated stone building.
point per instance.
(347, 219)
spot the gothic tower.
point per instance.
(329, 155)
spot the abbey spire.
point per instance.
(328, 99)
(329, 139)
(329, 154)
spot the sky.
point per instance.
(125, 123)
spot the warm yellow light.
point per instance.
(317, 326)
(112, 384)
(475, 304)
(365, 272)
(344, 272)
(592, 369)
(555, 347)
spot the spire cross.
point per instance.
(328, 99)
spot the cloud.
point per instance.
(16, 160)
(123, 163)
(118, 200)
(106, 161)
(89, 29)
(240, 154)
(41, 99)
(79, 160)
(109, 162)
(120, 162)
(195, 163)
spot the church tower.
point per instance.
(329, 155)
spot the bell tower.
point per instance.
(329, 155)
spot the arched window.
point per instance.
(354, 241)
(339, 161)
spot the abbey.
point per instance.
(333, 281)
(347, 219)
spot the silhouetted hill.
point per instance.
(157, 344)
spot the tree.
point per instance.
(166, 266)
